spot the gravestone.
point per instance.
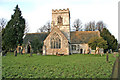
(97, 50)
(1, 53)
(107, 57)
(88, 51)
(4, 53)
(31, 53)
(110, 50)
(15, 53)
(115, 53)
(92, 51)
(21, 51)
(119, 52)
(101, 50)
(38, 53)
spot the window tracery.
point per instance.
(55, 41)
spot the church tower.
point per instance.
(61, 19)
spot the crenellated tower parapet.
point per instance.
(60, 11)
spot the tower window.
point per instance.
(59, 19)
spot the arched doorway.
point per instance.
(28, 49)
(81, 51)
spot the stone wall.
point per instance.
(63, 50)
(81, 48)
(47, 50)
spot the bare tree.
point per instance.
(41, 29)
(90, 26)
(48, 26)
(86, 27)
(77, 24)
(100, 25)
(3, 23)
(45, 28)
(26, 27)
(93, 26)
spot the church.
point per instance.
(61, 40)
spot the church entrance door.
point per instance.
(81, 51)
(28, 49)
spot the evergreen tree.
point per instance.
(97, 42)
(112, 42)
(14, 30)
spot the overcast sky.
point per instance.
(38, 12)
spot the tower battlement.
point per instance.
(60, 10)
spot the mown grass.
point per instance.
(72, 66)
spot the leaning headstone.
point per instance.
(97, 50)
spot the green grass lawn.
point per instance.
(38, 66)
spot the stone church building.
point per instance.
(61, 40)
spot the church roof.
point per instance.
(76, 37)
(30, 36)
(79, 37)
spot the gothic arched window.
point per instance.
(55, 41)
(52, 43)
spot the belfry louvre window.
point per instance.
(59, 18)
(55, 41)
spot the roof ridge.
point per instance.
(36, 33)
(84, 31)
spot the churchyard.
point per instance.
(55, 40)
(52, 66)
